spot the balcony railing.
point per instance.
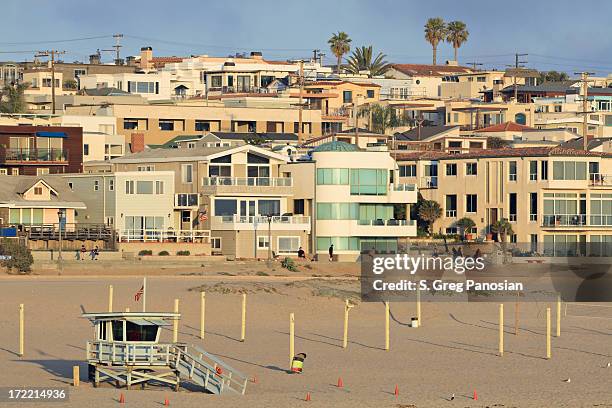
(402, 187)
(161, 235)
(262, 219)
(598, 179)
(34, 155)
(429, 182)
(451, 213)
(248, 181)
(600, 220)
(564, 220)
(386, 223)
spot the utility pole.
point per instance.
(517, 64)
(315, 54)
(52, 54)
(117, 46)
(474, 65)
(584, 78)
(300, 124)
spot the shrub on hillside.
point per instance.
(289, 264)
(18, 256)
(145, 252)
(183, 253)
(163, 253)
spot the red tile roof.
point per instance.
(431, 70)
(506, 127)
(315, 83)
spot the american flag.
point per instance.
(139, 294)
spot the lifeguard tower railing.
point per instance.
(191, 363)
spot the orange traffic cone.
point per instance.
(396, 392)
(475, 397)
(307, 396)
(340, 383)
(121, 399)
(166, 402)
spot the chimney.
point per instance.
(119, 61)
(137, 142)
(130, 61)
(94, 59)
(256, 55)
(146, 57)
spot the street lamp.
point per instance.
(61, 216)
(269, 216)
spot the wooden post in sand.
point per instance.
(347, 308)
(175, 323)
(291, 337)
(386, 325)
(75, 376)
(501, 329)
(548, 332)
(516, 314)
(21, 330)
(418, 305)
(559, 315)
(202, 313)
(243, 327)
(110, 298)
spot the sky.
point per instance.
(557, 34)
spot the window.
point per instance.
(110, 220)
(347, 96)
(15, 172)
(512, 171)
(79, 72)
(96, 185)
(408, 170)
(42, 170)
(187, 173)
(149, 167)
(451, 169)
(186, 216)
(129, 187)
(3, 172)
(38, 191)
(144, 187)
(143, 87)
(471, 169)
(471, 203)
(215, 243)
(341, 211)
(111, 185)
(216, 81)
(512, 197)
(569, 170)
(263, 242)
(187, 200)
(533, 206)
(370, 93)
(220, 170)
(533, 170)
(225, 207)
(544, 169)
(332, 176)
(481, 79)
(269, 207)
(368, 181)
(202, 126)
(130, 124)
(340, 243)
(166, 124)
(86, 149)
(451, 206)
(288, 245)
(159, 187)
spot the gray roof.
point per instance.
(160, 154)
(272, 136)
(578, 143)
(13, 187)
(109, 91)
(560, 87)
(425, 133)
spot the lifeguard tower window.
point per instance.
(136, 332)
(102, 332)
(117, 330)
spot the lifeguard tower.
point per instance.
(127, 350)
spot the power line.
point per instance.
(55, 41)
(186, 44)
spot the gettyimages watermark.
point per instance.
(485, 272)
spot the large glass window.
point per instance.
(408, 170)
(332, 176)
(370, 212)
(340, 243)
(337, 211)
(288, 245)
(368, 181)
(269, 207)
(137, 332)
(512, 171)
(224, 207)
(144, 187)
(471, 203)
(569, 170)
(601, 209)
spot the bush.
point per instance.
(145, 252)
(288, 264)
(20, 256)
(164, 253)
(183, 253)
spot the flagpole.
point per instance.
(144, 294)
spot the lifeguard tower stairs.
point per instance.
(127, 351)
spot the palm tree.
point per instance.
(429, 211)
(457, 34)
(435, 31)
(12, 99)
(382, 117)
(361, 60)
(339, 44)
(465, 224)
(502, 228)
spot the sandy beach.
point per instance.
(454, 352)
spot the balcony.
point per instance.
(33, 156)
(600, 180)
(261, 223)
(429, 182)
(564, 221)
(384, 228)
(254, 185)
(402, 193)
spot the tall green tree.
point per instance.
(12, 99)
(502, 228)
(339, 44)
(456, 35)
(362, 60)
(435, 32)
(382, 117)
(429, 212)
(553, 76)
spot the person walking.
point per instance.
(331, 252)
(83, 252)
